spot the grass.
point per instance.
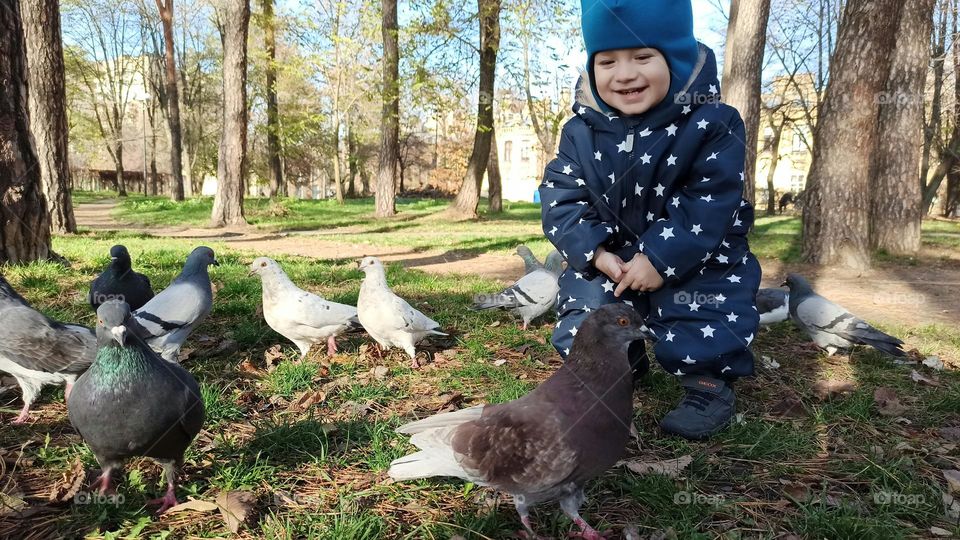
(319, 472)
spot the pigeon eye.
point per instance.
(100, 321)
(263, 264)
(622, 321)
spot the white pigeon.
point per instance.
(532, 295)
(389, 319)
(300, 316)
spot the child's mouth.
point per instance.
(632, 92)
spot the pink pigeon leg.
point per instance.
(66, 391)
(23, 416)
(102, 483)
(168, 501)
(331, 346)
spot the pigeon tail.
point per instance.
(454, 418)
(435, 458)
(893, 348)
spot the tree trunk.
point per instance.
(231, 166)
(24, 221)
(836, 209)
(385, 197)
(465, 204)
(938, 55)
(173, 99)
(495, 203)
(118, 165)
(352, 159)
(273, 111)
(771, 171)
(742, 65)
(951, 151)
(48, 117)
(895, 207)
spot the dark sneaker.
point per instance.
(706, 408)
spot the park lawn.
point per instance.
(831, 467)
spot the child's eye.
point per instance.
(605, 62)
(643, 57)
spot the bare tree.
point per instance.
(495, 202)
(743, 60)
(48, 116)
(25, 234)
(895, 209)
(231, 168)
(165, 7)
(277, 185)
(390, 132)
(836, 209)
(465, 204)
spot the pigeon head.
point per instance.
(199, 259)
(112, 317)
(613, 326)
(120, 257)
(554, 263)
(799, 286)
(370, 264)
(263, 265)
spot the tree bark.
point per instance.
(24, 221)
(231, 166)
(173, 99)
(895, 208)
(742, 66)
(48, 116)
(495, 204)
(938, 55)
(836, 224)
(277, 185)
(385, 198)
(772, 169)
(465, 204)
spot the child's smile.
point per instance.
(631, 80)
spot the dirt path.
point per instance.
(892, 293)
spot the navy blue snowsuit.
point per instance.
(668, 184)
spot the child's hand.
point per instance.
(639, 275)
(609, 264)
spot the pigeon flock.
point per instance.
(544, 446)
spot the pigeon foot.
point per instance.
(587, 532)
(331, 346)
(102, 483)
(168, 501)
(23, 416)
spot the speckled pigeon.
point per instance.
(166, 321)
(300, 316)
(118, 281)
(831, 326)
(38, 350)
(773, 305)
(549, 443)
(531, 296)
(133, 403)
(389, 319)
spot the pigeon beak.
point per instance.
(119, 334)
(113, 258)
(251, 273)
(784, 284)
(216, 262)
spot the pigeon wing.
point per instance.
(536, 288)
(179, 305)
(312, 310)
(822, 314)
(38, 343)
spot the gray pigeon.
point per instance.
(166, 321)
(300, 316)
(133, 403)
(773, 305)
(389, 319)
(119, 282)
(831, 326)
(530, 262)
(37, 350)
(531, 296)
(547, 444)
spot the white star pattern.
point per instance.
(582, 203)
(737, 222)
(706, 257)
(588, 255)
(722, 259)
(676, 202)
(670, 271)
(708, 197)
(705, 179)
(628, 302)
(732, 317)
(613, 178)
(606, 198)
(578, 275)
(712, 156)
(725, 244)
(713, 89)
(580, 182)
(645, 158)
(548, 184)
(608, 286)
(694, 306)
(725, 369)
(697, 229)
(646, 132)
(553, 231)
(744, 260)
(672, 160)
(623, 203)
(660, 312)
(672, 130)
(598, 156)
(702, 124)
(741, 179)
(666, 233)
(638, 189)
(640, 247)
(749, 339)
(689, 360)
(733, 278)
(582, 110)
(669, 336)
(649, 216)
(566, 351)
(554, 203)
(659, 189)
(707, 331)
(567, 169)
(679, 373)
(720, 298)
(622, 147)
(609, 230)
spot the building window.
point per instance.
(507, 151)
(525, 153)
(797, 182)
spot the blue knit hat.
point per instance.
(665, 25)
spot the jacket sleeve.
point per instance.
(569, 218)
(700, 213)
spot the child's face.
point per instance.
(631, 80)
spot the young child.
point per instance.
(644, 201)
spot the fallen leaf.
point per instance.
(826, 389)
(494, 324)
(797, 492)
(670, 467)
(937, 531)
(887, 402)
(306, 400)
(951, 507)
(380, 372)
(272, 357)
(500, 362)
(770, 363)
(185, 353)
(247, 368)
(933, 362)
(67, 488)
(668, 534)
(917, 377)
(450, 400)
(790, 406)
(195, 505)
(953, 480)
(903, 448)
(226, 346)
(236, 507)
(11, 503)
(523, 348)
